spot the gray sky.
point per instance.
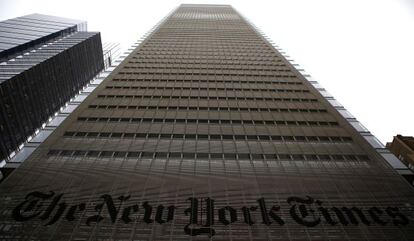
(362, 52)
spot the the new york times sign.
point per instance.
(50, 207)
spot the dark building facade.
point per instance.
(45, 65)
(207, 132)
(111, 52)
(25, 33)
(403, 148)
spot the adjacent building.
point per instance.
(207, 131)
(111, 52)
(18, 35)
(45, 61)
(403, 148)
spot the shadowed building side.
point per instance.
(46, 60)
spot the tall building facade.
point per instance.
(205, 131)
(45, 61)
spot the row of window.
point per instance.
(164, 42)
(198, 58)
(210, 81)
(196, 49)
(191, 38)
(161, 42)
(204, 47)
(208, 137)
(209, 62)
(225, 156)
(201, 108)
(204, 88)
(209, 121)
(190, 46)
(171, 31)
(166, 76)
(208, 98)
(202, 67)
(213, 53)
(214, 73)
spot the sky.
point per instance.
(361, 51)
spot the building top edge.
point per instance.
(52, 18)
(204, 5)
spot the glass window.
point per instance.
(89, 89)
(23, 154)
(80, 98)
(41, 136)
(346, 114)
(335, 103)
(56, 121)
(393, 161)
(374, 141)
(69, 109)
(325, 93)
(358, 126)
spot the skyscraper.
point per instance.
(206, 130)
(45, 61)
